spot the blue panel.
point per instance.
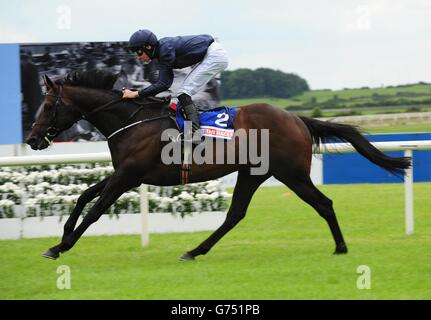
(353, 168)
(10, 95)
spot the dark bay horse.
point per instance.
(135, 152)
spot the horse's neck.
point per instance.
(113, 116)
(88, 99)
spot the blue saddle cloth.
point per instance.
(217, 122)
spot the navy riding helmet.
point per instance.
(143, 41)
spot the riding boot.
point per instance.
(191, 114)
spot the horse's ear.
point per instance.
(48, 82)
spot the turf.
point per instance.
(282, 250)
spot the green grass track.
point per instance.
(281, 250)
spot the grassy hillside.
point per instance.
(364, 101)
(419, 94)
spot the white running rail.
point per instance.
(406, 146)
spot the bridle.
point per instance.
(52, 131)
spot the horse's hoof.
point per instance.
(50, 254)
(341, 250)
(187, 257)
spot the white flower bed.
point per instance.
(40, 191)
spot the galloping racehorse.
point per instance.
(136, 152)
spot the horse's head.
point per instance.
(55, 115)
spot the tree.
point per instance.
(316, 113)
(262, 82)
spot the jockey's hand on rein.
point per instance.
(129, 94)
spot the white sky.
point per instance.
(332, 44)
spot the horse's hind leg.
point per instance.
(307, 191)
(245, 187)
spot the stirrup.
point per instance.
(196, 137)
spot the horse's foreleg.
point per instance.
(88, 195)
(114, 188)
(244, 189)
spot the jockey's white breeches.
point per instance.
(214, 62)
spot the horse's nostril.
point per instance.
(30, 140)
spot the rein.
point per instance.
(110, 103)
(140, 104)
(136, 123)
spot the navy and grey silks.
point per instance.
(177, 53)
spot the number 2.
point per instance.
(223, 118)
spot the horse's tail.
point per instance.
(322, 131)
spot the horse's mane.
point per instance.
(100, 79)
(97, 79)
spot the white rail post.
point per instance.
(408, 194)
(145, 236)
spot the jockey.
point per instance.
(203, 51)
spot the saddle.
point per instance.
(217, 122)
